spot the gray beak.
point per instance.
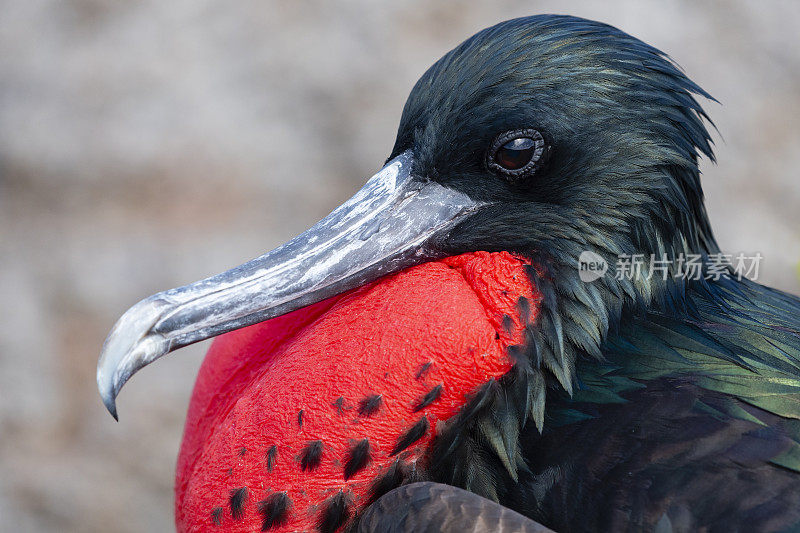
(393, 222)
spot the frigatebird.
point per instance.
(436, 332)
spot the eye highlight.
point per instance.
(516, 154)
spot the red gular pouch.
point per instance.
(293, 419)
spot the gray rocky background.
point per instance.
(147, 144)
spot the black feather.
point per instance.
(216, 516)
(335, 513)
(339, 404)
(508, 324)
(399, 473)
(392, 478)
(272, 455)
(357, 458)
(423, 369)
(300, 414)
(448, 441)
(311, 455)
(274, 510)
(414, 433)
(370, 405)
(524, 308)
(430, 397)
(238, 497)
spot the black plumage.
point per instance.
(336, 511)
(357, 458)
(338, 404)
(411, 435)
(274, 510)
(236, 500)
(370, 405)
(272, 456)
(396, 475)
(429, 397)
(423, 369)
(216, 516)
(311, 456)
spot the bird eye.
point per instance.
(516, 154)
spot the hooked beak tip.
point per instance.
(130, 345)
(111, 404)
(108, 387)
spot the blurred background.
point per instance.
(144, 145)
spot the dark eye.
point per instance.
(516, 154)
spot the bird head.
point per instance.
(537, 139)
(571, 133)
(545, 135)
(574, 138)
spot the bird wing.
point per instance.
(434, 507)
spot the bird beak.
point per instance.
(395, 221)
